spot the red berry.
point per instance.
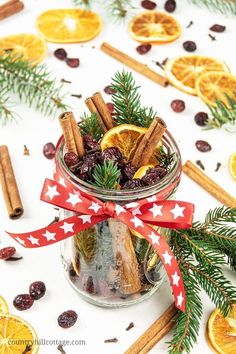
(203, 146)
(178, 106)
(37, 290)
(143, 48)
(201, 118)
(190, 46)
(72, 62)
(217, 28)
(23, 302)
(60, 54)
(7, 252)
(170, 5)
(49, 151)
(110, 106)
(109, 90)
(67, 319)
(71, 159)
(148, 5)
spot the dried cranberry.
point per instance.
(217, 28)
(67, 319)
(89, 285)
(178, 106)
(170, 5)
(37, 290)
(111, 107)
(73, 62)
(201, 118)
(143, 48)
(190, 46)
(112, 154)
(85, 171)
(109, 90)
(60, 54)
(203, 146)
(90, 143)
(153, 175)
(148, 5)
(128, 171)
(7, 252)
(132, 184)
(23, 302)
(49, 151)
(71, 159)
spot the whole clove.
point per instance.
(56, 219)
(190, 24)
(65, 81)
(61, 349)
(13, 259)
(200, 164)
(27, 349)
(213, 38)
(112, 340)
(218, 165)
(76, 95)
(131, 325)
(26, 151)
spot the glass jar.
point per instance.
(108, 264)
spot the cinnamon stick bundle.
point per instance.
(208, 184)
(149, 143)
(72, 135)
(96, 104)
(154, 333)
(10, 8)
(9, 186)
(125, 256)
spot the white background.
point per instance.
(97, 324)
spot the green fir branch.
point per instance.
(6, 114)
(106, 175)
(90, 125)
(220, 6)
(127, 106)
(222, 113)
(118, 9)
(82, 3)
(33, 86)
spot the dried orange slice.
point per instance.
(25, 46)
(214, 86)
(69, 25)
(232, 165)
(125, 137)
(142, 170)
(3, 306)
(222, 331)
(154, 27)
(183, 72)
(15, 335)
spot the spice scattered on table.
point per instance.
(189, 46)
(67, 319)
(148, 5)
(61, 349)
(37, 290)
(217, 28)
(26, 151)
(143, 48)
(49, 151)
(203, 145)
(65, 81)
(76, 95)
(56, 219)
(112, 340)
(218, 165)
(131, 325)
(170, 5)
(213, 38)
(23, 302)
(200, 164)
(14, 259)
(7, 252)
(10, 8)
(201, 118)
(190, 24)
(178, 106)
(28, 349)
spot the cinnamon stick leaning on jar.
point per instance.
(9, 185)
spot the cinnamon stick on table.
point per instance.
(149, 142)
(10, 8)
(208, 184)
(72, 135)
(134, 64)
(96, 104)
(9, 186)
(154, 333)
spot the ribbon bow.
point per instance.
(137, 215)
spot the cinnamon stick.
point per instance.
(125, 256)
(208, 184)
(72, 135)
(9, 186)
(134, 64)
(149, 142)
(154, 333)
(96, 104)
(10, 8)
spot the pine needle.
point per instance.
(90, 125)
(106, 175)
(223, 113)
(220, 6)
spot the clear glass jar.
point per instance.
(108, 264)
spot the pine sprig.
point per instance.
(33, 86)
(82, 3)
(106, 175)
(221, 6)
(90, 125)
(127, 106)
(223, 113)
(118, 9)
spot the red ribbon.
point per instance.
(137, 215)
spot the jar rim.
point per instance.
(123, 194)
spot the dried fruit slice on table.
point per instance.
(232, 165)
(3, 306)
(15, 333)
(183, 72)
(222, 331)
(154, 27)
(69, 25)
(214, 86)
(26, 46)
